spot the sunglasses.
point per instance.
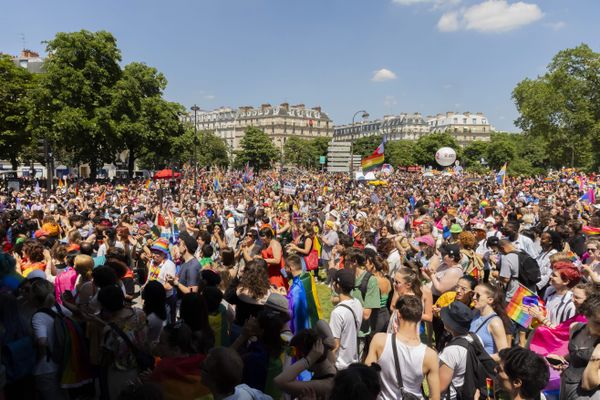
(476, 295)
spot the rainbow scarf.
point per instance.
(591, 230)
(179, 378)
(515, 309)
(304, 305)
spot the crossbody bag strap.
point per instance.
(397, 361)
(124, 336)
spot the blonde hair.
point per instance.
(84, 264)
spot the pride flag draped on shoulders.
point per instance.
(304, 306)
(375, 160)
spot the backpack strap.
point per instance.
(356, 324)
(485, 321)
(397, 361)
(364, 284)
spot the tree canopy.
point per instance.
(563, 107)
(257, 149)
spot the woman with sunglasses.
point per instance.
(490, 320)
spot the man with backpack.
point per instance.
(366, 290)
(464, 364)
(517, 267)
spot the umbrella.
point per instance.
(166, 174)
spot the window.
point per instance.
(456, 120)
(474, 121)
(464, 121)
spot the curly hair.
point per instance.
(467, 240)
(35, 251)
(568, 272)
(255, 279)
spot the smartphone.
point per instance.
(530, 301)
(554, 361)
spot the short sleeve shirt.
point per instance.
(343, 327)
(509, 268)
(372, 297)
(455, 357)
(189, 274)
(43, 327)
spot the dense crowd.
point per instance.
(453, 287)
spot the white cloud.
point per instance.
(491, 16)
(209, 97)
(449, 22)
(556, 26)
(382, 75)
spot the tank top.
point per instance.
(480, 327)
(411, 365)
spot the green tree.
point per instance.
(400, 152)
(502, 148)
(15, 84)
(365, 146)
(473, 153)
(563, 107)
(305, 152)
(144, 121)
(428, 145)
(258, 149)
(73, 103)
(319, 145)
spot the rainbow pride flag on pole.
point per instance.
(375, 160)
(515, 309)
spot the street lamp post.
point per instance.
(364, 115)
(195, 109)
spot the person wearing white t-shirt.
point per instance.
(160, 269)
(453, 359)
(345, 320)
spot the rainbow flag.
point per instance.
(148, 184)
(179, 377)
(515, 310)
(375, 160)
(591, 230)
(589, 196)
(304, 305)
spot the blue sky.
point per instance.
(385, 56)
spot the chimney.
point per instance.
(285, 106)
(467, 113)
(317, 108)
(264, 106)
(449, 114)
(25, 53)
(299, 105)
(479, 114)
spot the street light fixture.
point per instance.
(364, 115)
(195, 109)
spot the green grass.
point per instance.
(324, 294)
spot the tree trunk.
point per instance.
(131, 163)
(14, 163)
(93, 169)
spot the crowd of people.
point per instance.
(453, 287)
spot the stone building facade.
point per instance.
(279, 122)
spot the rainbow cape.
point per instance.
(179, 378)
(515, 309)
(373, 161)
(304, 305)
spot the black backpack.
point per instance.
(479, 367)
(529, 270)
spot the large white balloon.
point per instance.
(445, 156)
